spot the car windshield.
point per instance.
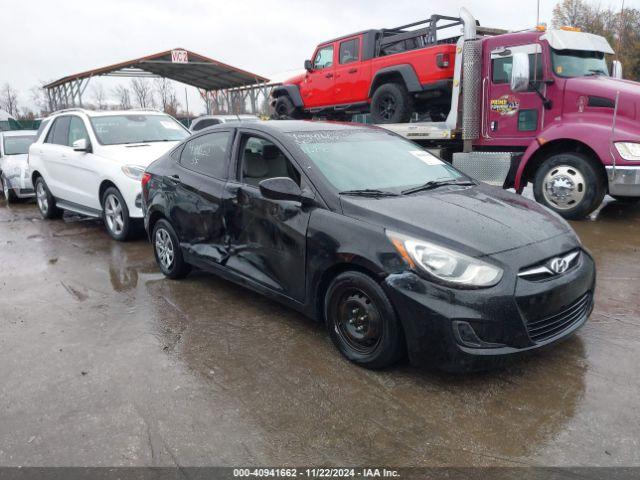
(578, 63)
(18, 145)
(135, 128)
(372, 160)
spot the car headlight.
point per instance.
(443, 264)
(133, 171)
(629, 150)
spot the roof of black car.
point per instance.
(286, 126)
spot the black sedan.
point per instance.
(393, 249)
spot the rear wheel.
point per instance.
(391, 103)
(46, 202)
(362, 322)
(285, 109)
(9, 195)
(166, 248)
(569, 184)
(116, 215)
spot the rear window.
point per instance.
(18, 145)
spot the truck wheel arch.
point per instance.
(291, 91)
(536, 154)
(399, 74)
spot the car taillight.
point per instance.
(145, 179)
(443, 60)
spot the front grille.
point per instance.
(548, 327)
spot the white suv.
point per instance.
(92, 162)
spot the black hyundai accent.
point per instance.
(393, 249)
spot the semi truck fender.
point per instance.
(593, 139)
(406, 71)
(292, 91)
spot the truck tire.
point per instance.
(569, 184)
(391, 103)
(284, 109)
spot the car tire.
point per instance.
(570, 185)
(9, 195)
(166, 248)
(625, 199)
(362, 322)
(284, 109)
(391, 103)
(46, 202)
(115, 215)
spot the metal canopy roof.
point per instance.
(178, 64)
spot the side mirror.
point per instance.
(520, 72)
(617, 69)
(82, 145)
(308, 66)
(282, 188)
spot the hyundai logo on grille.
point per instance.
(559, 265)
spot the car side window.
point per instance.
(262, 159)
(501, 68)
(42, 126)
(350, 51)
(77, 131)
(324, 58)
(207, 154)
(59, 131)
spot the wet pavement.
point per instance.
(105, 362)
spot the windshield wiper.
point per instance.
(369, 192)
(435, 184)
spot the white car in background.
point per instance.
(209, 120)
(14, 168)
(92, 162)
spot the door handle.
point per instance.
(329, 75)
(353, 70)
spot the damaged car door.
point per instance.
(198, 185)
(267, 238)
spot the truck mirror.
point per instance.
(308, 66)
(520, 72)
(617, 69)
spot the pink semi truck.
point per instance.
(539, 107)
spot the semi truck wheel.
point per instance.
(569, 184)
(284, 109)
(391, 103)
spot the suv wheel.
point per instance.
(9, 195)
(166, 248)
(570, 185)
(46, 202)
(362, 322)
(284, 109)
(391, 103)
(116, 214)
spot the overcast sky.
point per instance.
(44, 40)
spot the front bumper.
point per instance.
(624, 180)
(511, 318)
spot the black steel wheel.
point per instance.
(284, 109)
(391, 103)
(362, 322)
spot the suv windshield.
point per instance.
(123, 129)
(370, 160)
(578, 63)
(18, 145)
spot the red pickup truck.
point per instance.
(392, 73)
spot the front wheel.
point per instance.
(116, 215)
(362, 322)
(46, 202)
(166, 248)
(9, 195)
(569, 184)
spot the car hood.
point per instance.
(479, 220)
(136, 153)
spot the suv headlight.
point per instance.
(629, 150)
(133, 171)
(444, 265)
